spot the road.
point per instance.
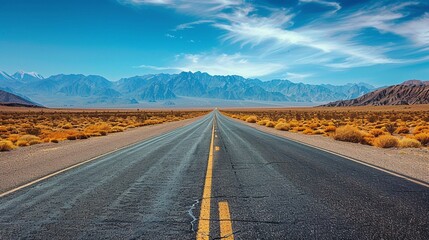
(218, 178)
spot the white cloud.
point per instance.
(416, 29)
(192, 24)
(156, 67)
(332, 40)
(195, 7)
(140, 2)
(170, 35)
(222, 64)
(269, 33)
(297, 76)
(335, 5)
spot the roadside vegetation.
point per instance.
(392, 127)
(21, 128)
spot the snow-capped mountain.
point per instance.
(27, 76)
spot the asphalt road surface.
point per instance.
(228, 181)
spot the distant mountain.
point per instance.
(9, 99)
(78, 89)
(407, 93)
(203, 85)
(5, 77)
(222, 87)
(27, 76)
(74, 89)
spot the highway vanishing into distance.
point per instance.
(217, 178)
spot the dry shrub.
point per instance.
(262, 122)
(330, 128)
(58, 135)
(281, 120)
(314, 126)
(13, 137)
(98, 130)
(308, 131)
(386, 141)
(402, 130)
(377, 132)
(6, 145)
(27, 140)
(423, 138)
(270, 124)
(118, 129)
(151, 122)
(420, 129)
(282, 126)
(318, 132)
(71, 137)
(390, 127)
(33, 131)
(294, 123)
(300, 129)
(409, 143)
(252, 119)
(82, 136)
(67, 126)
(349, 134)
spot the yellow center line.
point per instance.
(204, 220)
(225, 221)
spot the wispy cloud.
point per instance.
(140, 2)
(221, 64)
(170, 35)
(269, 31)
(156, 67)
(191, 24)
(195, 7)
(272, 36)
(297, 76)
(335, 5)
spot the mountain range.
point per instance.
(407, 93)
(83, 90)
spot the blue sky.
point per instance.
(311, 41)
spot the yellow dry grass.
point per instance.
(25, 128)
(6, 145)
(386, 141)
(349, 134)
(409, 143)
(387, 126)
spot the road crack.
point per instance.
(191, 213)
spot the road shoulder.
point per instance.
(410, 162)
(27, 164)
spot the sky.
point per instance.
(379, 42)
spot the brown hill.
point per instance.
(9, 99)
(407, 93)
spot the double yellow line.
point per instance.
(224, 214)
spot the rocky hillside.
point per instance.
(407, 93)
(9, 99)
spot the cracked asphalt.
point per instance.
(275, 188)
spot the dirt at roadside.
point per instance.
(412, 162)
(23, 165)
